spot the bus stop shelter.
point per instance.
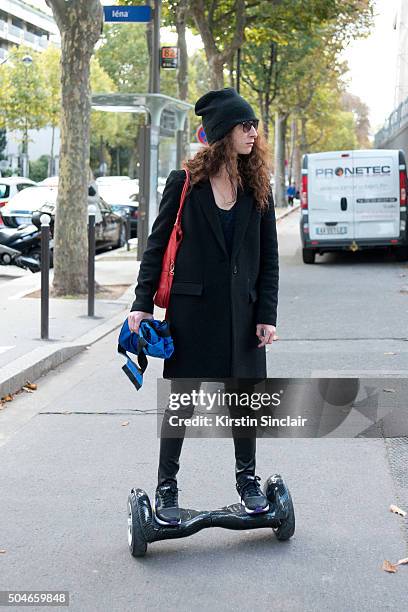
(165, 115)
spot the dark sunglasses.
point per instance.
(247, 125)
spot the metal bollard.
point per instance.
(128, 231)
(45, 275)
(91, 259)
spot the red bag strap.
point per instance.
(183, 197)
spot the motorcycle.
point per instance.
(21, 247)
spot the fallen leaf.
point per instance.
(389, 567)
(2, 551)
(389, 390)
(30, 385)
(397, 510)
(7, 398)
(125, 423)
(28, 390)
(402, 561)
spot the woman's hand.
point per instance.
(266, 334)
(135, 317)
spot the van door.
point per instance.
(330, 196)
(376, 194)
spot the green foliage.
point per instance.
(39, 168)
(123, 55)
(50, 61)
(23, 98)
(3, 141)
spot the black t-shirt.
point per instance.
(227, 218)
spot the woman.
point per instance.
(223, 303)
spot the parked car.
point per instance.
(50, 181)
(353, 200)
(9, 187)
(20, 208)
(122, 196)
(109, 180)
(110, 229)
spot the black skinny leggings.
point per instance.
(244, 437)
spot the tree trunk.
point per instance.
(293, 139)
(182, 73)
(80, 24)
(231, 71)
(216, 64)
(280, 138)
(51, 166)
(118, 161)
(216, 59)
(297, 166)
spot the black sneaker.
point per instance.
(251, 495)
(166, 504)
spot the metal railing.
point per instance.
(394, 122)
(15, 31)
(30, 37)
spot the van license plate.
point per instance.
(331, 229)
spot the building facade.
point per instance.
(23, 23)
(401, 88)
(29, 23)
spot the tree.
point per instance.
(221, 25)
(360, 112)
(309, 35)
(23, 98)
(51, 62)
(3, 141)
(123, 54)
(80, 23)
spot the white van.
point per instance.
(352, 200)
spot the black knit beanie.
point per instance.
(221, 110)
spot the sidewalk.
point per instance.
(23, 355)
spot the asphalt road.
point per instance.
(68, 463)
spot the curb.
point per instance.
(45, 358)
(288, 212)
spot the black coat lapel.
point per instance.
(244, 207)
(209, 208)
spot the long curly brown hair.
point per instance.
(246, 171)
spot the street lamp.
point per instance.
(27, 59)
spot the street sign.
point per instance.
(115, 14)
(200, 135)
(169, 57)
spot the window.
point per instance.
(22, 186)
(4, 191)
(17, 22)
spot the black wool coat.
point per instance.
(215, 301)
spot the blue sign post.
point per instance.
(115, 14)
